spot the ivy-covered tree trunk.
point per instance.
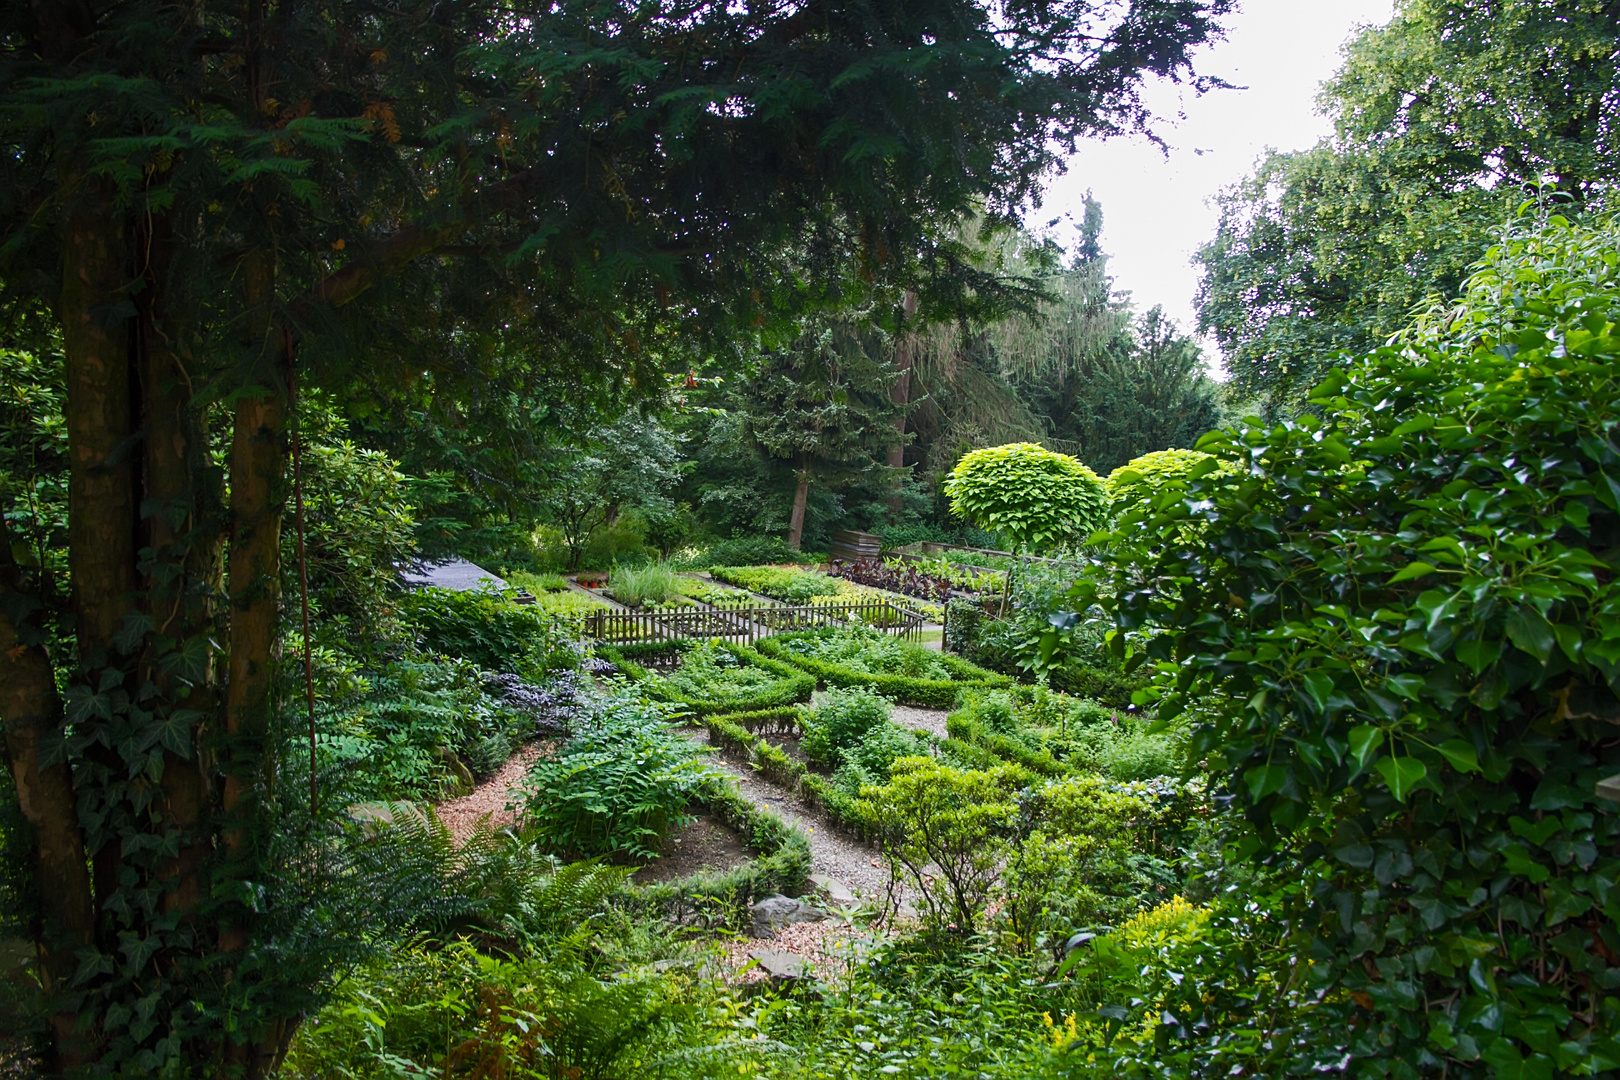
(32, 710)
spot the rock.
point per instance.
(777, 911)
(836, 892)
(781, 965)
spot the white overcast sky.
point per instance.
(1157, 211)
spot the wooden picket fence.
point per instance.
(749, 624)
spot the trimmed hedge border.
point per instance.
(739, 734)
(932, 693)
(1002, 748)
(782, 865)
(796, 687)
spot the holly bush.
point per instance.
(1033, 495)
(1401, 627)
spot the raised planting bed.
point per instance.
(905, 672)
(746, 738)
(711, 677)
(794, 585)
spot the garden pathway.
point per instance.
(855, 865)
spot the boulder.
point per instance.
(775, 912)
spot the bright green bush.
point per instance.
(488, 630)
(1147, 476)
(867, 762)
(945, 829)
(1037, 497)
(1401, 637)
(1082, 861)
(841, 720)
(617, 786)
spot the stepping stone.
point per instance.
(781, 965)
(834, 890)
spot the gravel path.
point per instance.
(929, 720)
(855, 864)
(461, 815)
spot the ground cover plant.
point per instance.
(790, 584)
(707, 592)
(489, 630)
(895, 576)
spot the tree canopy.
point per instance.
(1445, 120)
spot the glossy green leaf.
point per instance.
(1402, 774)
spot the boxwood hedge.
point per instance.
(930, 693)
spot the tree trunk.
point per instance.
(801, 495)
(258, 466)
(32, 712)
(900, 394)
(100, 422)
(185, 549)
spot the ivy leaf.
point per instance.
(1460, 754)
(1529, 630)
(1364, 739)
(1402, 774)
(1319, 685)
(1413, 570)
(1263, 780)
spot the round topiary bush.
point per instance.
(1031, 494)
(1147, 475)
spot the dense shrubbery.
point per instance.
(617, 786)
(1399, 635)
(1025, 723)
(488, 630)
(742, 551)
(841, 721)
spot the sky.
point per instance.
(1157, 211)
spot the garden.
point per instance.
(606, 543)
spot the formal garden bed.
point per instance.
(709, 677)
(905, 671)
